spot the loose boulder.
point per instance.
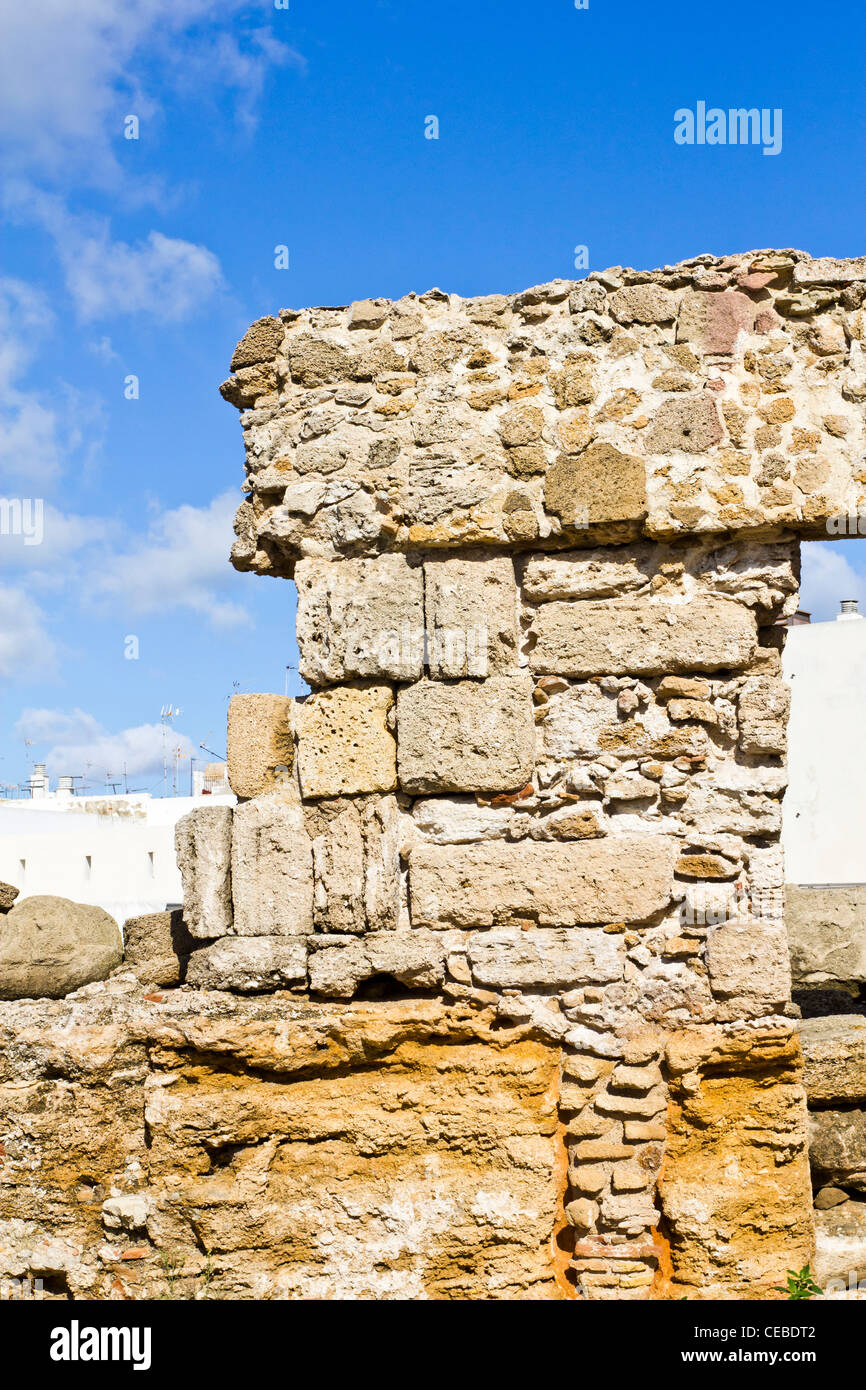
(8, 894)
(51, 946)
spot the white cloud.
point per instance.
(26, 648)
(50, 561)
(181, 563)
(828, 576)
(39, 429)
(162, 276)
(69, 73)
(81, 746)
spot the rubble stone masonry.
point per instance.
(510, 878)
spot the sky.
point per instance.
(129, 267)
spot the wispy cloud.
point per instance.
(27, 650)
(69, 73)
(162, 277)
(180, 564)
(40, 429)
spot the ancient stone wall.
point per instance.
(517, 853)
(542, 545)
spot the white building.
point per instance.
(116, 852)
(824, 811)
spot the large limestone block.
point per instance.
(734, 1188)
(763, 714)
(401, 1127)
(272, 868)
(834, 1056)
(415, 959)
(250, 965)
(157, 947)
(558, 958)
(748, 962)
(837, 1148)
(558, 884)
(471, 607)
(645, 637)
(360, 618)
(203, 842)
(345, 745)
(470, 736)
(51, 946)
(827, 933)
(260, 750)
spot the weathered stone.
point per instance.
(680, 687)
(285, 1122)
(157, 947)
(203, 843)
(468, 736)
(737, 1212)
(561, 958)
(576, 721)
(272, 868)
(826, 270)
(600, 485)
(837, 1147)
(8, 894)
(840, 1247)
(460, 821)
(629, 786)
(250, 965)
(706, 866)
(763, 715)
(749, 961)
(644, 304)
(260, 750)
(368, 313)
(713, 322)
(689, 424)
(471, 610)
(361, 618)
(51, 946)
(626, 879)
(642, 637)
(834, 1054)
(586, 574)
(345, 744)
(415, 959)
(701, 711)
(827, 933)
(260, 343)
(338, 865)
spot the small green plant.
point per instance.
(800, 1284)
(171, 1263)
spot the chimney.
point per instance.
(849, 611)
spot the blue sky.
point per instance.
(305, 126)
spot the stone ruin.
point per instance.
(487, 990)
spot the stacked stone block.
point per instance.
(542, 544)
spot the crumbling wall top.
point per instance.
(716, 396)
